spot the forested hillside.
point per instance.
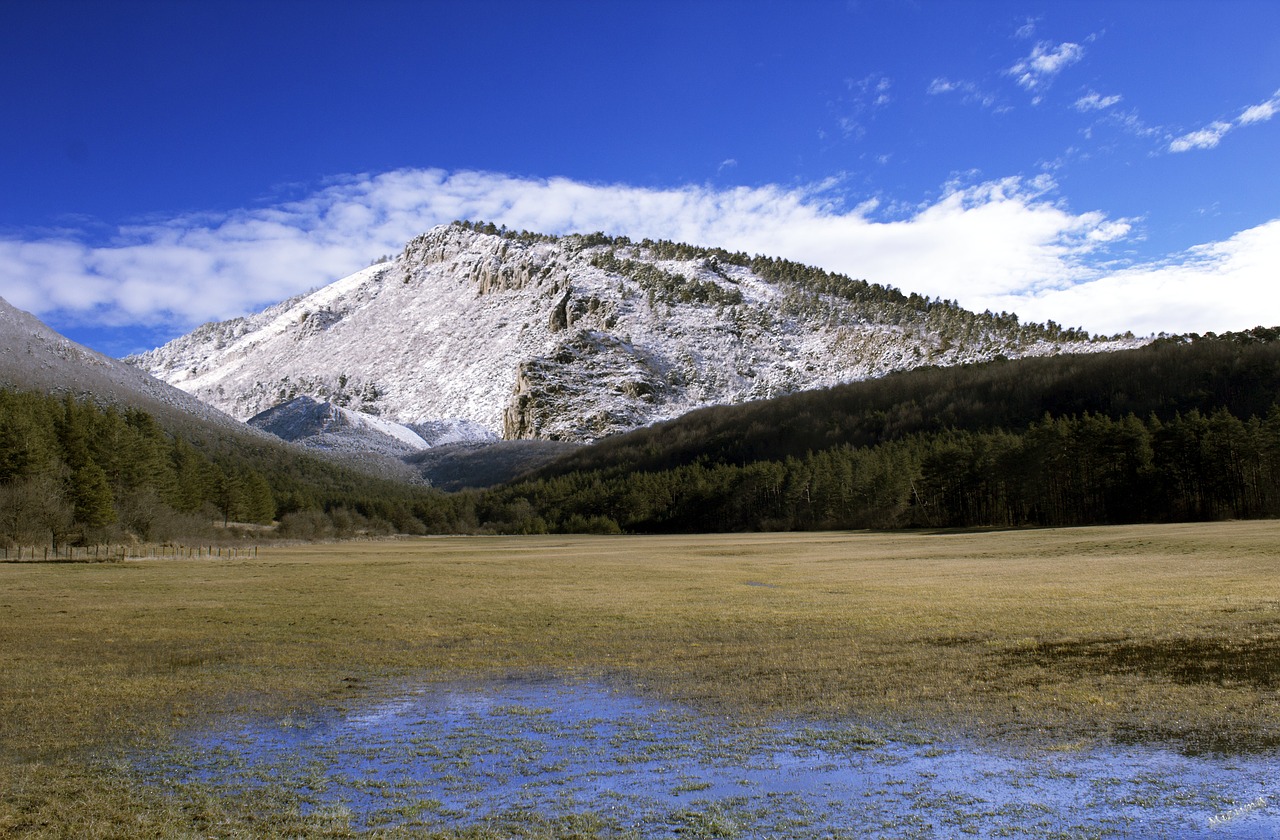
(1187, 429)
(71, 471)
(1239, 372)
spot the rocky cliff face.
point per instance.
(576, 338)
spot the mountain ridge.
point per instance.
(579, 337)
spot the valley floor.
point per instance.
(1142, 636)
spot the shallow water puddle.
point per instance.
(452, 756)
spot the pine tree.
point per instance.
(90, 496)
(190, 478)
(259, 506)
(228, 494)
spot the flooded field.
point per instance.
(1072, 682)
(503, 753)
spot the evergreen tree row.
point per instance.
(1239, 372)
(70, 471)
(665, 286)
(1186, 429)
(73, 472)
(1076, 470)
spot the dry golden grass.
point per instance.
(1150, 632)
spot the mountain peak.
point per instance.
(578, 337)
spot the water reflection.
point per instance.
(453, 755)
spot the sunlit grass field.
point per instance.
(1052, 637)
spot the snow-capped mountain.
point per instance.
(578, 337)
(329, 427)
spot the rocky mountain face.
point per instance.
(575, 338)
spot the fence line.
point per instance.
(108, 553)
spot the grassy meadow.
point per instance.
(1049, 637)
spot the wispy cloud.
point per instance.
(1046, 61)
(1212, 134)
(879, 92)
(1202, 138)
(1027, 29)
(1131, 123)
(1004, 244)
(1261, 112)
(969, 92)
(1094, 101)
(863, 97)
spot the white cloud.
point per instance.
(1093, 101)
(1204, 138)
(1260, 112)
(1004, 245)
(1211, 135)
(1044, 63)
(1131, 123)
(882, 92)
(1218, 287)
(863, 99)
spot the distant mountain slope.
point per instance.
(455, 466)
(35, 358)
(1238, 372)
(154, 473)
(1186, 429)
(325, 426)
(449, 455)
(577, 338)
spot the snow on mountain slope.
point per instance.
(576, 338)
(34, 357)
(323, 425)
(449, 432)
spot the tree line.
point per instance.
(1060, 471)
(1239, 372)
(1184, 429)
(74, 472)
(70, 471)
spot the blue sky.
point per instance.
(1111, 165)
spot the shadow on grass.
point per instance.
(1185, 661)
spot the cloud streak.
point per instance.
(1219, 286)
(1004, 245)
(864, 98)
(1212, 134)
(1094, 101)
(969, 92)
